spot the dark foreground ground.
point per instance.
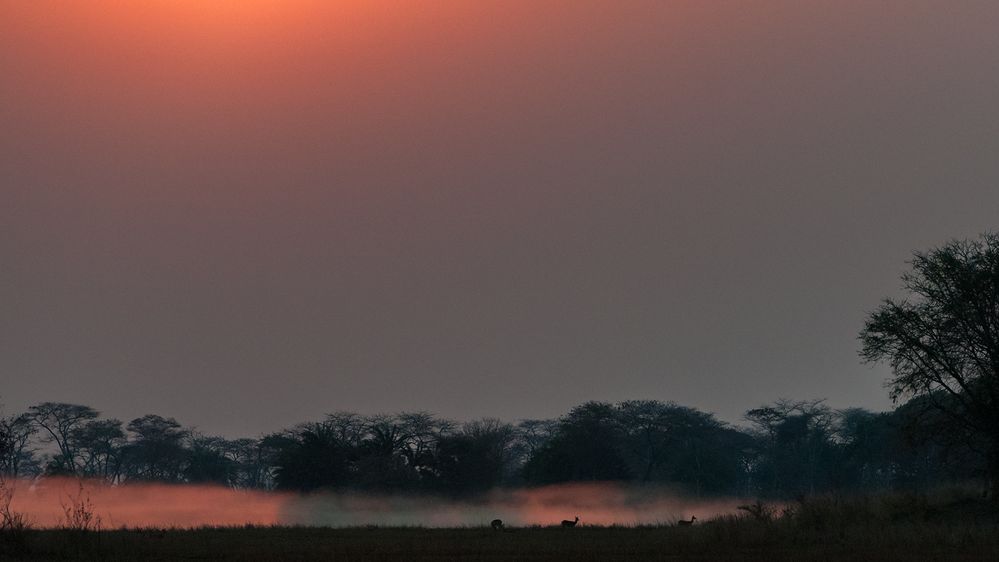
(880, 528)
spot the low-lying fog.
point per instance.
(159, 505)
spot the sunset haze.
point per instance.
(246, 214)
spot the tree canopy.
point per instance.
(941, 340)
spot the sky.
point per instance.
(247, 213)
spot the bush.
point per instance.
(14, 526)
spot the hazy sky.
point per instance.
(246, 213)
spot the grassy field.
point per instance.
(895, 527)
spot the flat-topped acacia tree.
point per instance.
(942, 342)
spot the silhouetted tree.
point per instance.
(664, 442)
(382, 461)
(648, 430)
(942, 341)
(254, 463)
(871, 450)
(156, 451)
(18, 458)
(348, 427)
(209, 460)
(799, 455)
(422, 433)
(794, 448)
(706, 456)
(310, 458)
(586, 446)
(60, 424)
(101, 446)
(6, 441)
(533, 434)
(930, 452)
(475, 458)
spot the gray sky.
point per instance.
(248, 215)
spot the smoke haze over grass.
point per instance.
(595, 504)
(184, 506)
(147, 505)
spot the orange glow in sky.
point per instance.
(395, 204)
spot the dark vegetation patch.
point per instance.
(948, 524)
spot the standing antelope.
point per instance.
(497, 524)
(567, 523)
(682, 523)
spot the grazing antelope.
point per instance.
(567, 523)
(497, 524)
(682, 523)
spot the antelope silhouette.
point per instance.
(567, 523)
(682, 523)
(497, 524)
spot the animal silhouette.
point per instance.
(682, 523)
(567, 523)
(497, 524)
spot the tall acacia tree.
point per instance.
(942, 341)
(61, 424)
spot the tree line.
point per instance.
(785, 449)
(940, 338)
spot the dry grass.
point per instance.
(946, 525)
